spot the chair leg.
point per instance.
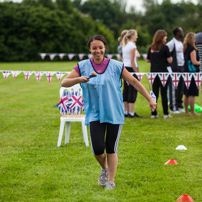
(85, 134)
(67, 132)
(60, 132)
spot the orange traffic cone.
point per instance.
(171, 161)
(185, 198)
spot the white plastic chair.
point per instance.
(65, 120)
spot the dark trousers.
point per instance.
(176, 95)
(155, 86)
(129, 92)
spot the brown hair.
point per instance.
(189, 41)
(158, 43)
(123, 33)
(99, 38)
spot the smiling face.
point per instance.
(97, 49)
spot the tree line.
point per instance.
(64, 26)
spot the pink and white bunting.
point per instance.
(197, 78)
(59, 75)
(151, 77)
(15, 73)
(118, 56)
(90, 56)
(27, 74)
(109, 56)
(61, 55)
(81, 55)
(175, 78)
(38, 75)
(52, 56)
(144, 56)
(140, 75)
(71, 55)
(49, 75)
(187, 79)
(163, 77)
(6, 74)
(43, 55)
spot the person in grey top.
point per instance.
(198, 42)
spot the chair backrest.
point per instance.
(71, 97)
(74, 88)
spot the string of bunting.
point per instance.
(187, 77)
(80, 55)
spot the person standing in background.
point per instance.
(191, 60)
(198, 42)
(120, 40)
(129, 59)
(159, 56)
(176, 48)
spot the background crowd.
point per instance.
(174, 56)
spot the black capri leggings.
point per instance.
(98, 139)
(129, 92)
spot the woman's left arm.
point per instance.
(141, 89)
(193, 58)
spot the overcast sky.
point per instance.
(136, 3)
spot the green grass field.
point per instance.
(34, 169)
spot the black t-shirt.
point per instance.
(158, 59)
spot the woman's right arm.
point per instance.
(73, 78)
(193, 58)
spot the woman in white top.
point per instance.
(129, 60)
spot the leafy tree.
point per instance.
(65, 5)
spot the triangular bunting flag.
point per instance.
(6, 74)
(109, 56)
(43, 55)
(175, 78)
(187, 79)
(27, 74)
(140, 75)
(61, 55)
(71, 55)
(118, 56)
(144, 56)
(52, 56)
(197, 78)
(59, 75)
(81, 55)
(15, 73)
(38, 75)
(151, 77)
(49, 76)
(90, 56)
(163, 77)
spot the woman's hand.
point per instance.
(152, 104)
(84, 79)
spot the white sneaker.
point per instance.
(110, 185)
(167, 116)
(154, 116)
(103, 178)
(181, 110)
(174, 111)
